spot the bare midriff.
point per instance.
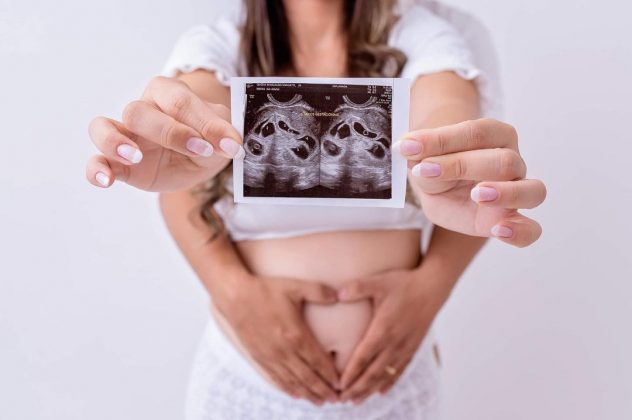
(334, 259)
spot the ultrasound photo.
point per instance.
(310, 140)
(317, 140)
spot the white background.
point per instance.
(99, 314)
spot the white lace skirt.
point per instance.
(225, 386)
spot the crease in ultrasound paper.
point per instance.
(317, 140)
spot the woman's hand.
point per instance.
(470, 178)
(168, 140)
(267, 316)
(405, 304)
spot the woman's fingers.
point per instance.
(114, 141)
(102, 173)
(491, 164)
(465, 136)
(518, 230)
(149, 123)
(521, 194)
(175, 99)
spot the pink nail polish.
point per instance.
(232, 148)
(409, 147)
(427, 170)
(199, 146)
(129, 153)
(102, 179)
(502, 231)
(483, 194)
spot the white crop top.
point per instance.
(432, 37)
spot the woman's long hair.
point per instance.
(265, 51)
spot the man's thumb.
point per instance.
(357, 290)
(317, 293)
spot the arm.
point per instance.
(437, 100)
(175, 136)
(266, 316)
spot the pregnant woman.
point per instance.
(322, 313)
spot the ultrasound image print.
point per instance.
(315, 140)
(356, 149)
(281, 146)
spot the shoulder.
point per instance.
(436, 37)
(213, 47)
(431, 43)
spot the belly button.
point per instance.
(333, 354)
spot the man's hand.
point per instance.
(470, 178)
(405, 304)
(267, 316)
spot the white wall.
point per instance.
(99, 314)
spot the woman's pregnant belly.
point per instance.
(334, 259)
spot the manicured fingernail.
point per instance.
(483, 194)
(102, 179)
(408, 147)
(502, 231)
(129, 153)
(199, 146)
(427, 170)
(232, 148)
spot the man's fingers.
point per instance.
(371, 380)
(359, 290)
(309, 379)
(312, 292)
(399, 365)
(365, 352)
(102, 173)
(282, 378)
(297, 388)
(175, 99)
(518, 230)
(149, 123)
(489, 164)
(468, 135)
(114, 141)
(521, 194)
(312, 353)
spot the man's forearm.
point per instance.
(216, 262)
(449, 254)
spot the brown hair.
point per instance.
(265, 51)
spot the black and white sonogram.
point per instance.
(317, 140)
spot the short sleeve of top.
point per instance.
(212, 47)
(431, 43)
